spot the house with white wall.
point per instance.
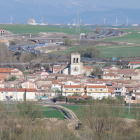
(17, 94)
(97, 91)
(69, 90)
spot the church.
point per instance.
(74, 68)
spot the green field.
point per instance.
(133, 37)
(47, 112)
(119, 51)
(125, 114)
(109, 51)
(22, 29)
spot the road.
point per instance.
(104, 33)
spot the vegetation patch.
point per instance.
(132, 37)
(22, 29)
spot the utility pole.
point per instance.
(104, 20)
(129, 104)
(78, 24)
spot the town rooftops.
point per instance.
(57, 67)
(127, 71)
(108, 67)
(87, 67)
(16, 90)
(6, 70)
(54, 82)
(110, 74)
(134, 62)
(96, 86)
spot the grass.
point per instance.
(108, 51)
(22, 29)
(74, 108)
(53, 114)
(133, 37)
(47, 112)
(125, 114)
(119, 51)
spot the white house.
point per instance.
(97, 91)
(56, 85)
(134, 65)
(17, 94)
(119, 90)
(110, 76)
(69, 90)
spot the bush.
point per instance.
(12, 43)
(12, 79)
(68, 42)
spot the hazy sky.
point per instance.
(107, 3)
(97, 3)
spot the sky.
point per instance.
(107, 3)
(56, 11)
(97, 3)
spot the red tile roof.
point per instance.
(72, 97)
(72, 86)
(85, 96)
(95, 86)
(134, 62)
(6, 70)
(110, 74)
(87, 67)
(18, 90)
(54, 82)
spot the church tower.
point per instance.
(75, 65)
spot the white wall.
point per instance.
(98, 95)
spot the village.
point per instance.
(71, 80)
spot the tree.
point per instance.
(12, 42)
(92, 53)
(28, 110)
(68, 42)
(57, 91)
(107, 64)
(98, 29)
(101, 122)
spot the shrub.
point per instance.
(12, 43)
(68, 42)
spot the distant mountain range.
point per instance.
(22, 10)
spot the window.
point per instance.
(90, 89)
(77, 60)
(73, 60)
(76, 89)
(100, 89)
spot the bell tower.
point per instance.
(75, 65)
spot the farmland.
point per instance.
(46, 111)
(22, 29)
(132, 37)
(124, 114)
(109, 51)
